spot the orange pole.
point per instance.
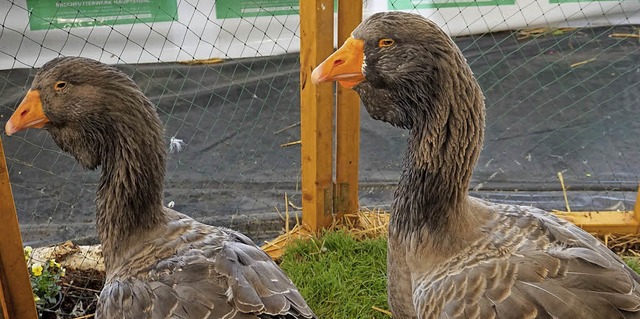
(316, 114)
(636, 210)
(347, 121)
(14, 276)
(3, 304)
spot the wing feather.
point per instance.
(551, 269)
(198, 271)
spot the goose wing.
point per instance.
(531, 264)
(208, 273)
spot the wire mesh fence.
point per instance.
(228, 117)
(560, 79)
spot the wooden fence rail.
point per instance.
(316, 114)
(323, 197)
(16, 297)
(347, 121)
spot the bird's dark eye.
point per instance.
(60, 85)
(385, 42)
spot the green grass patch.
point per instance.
(633, 263)
(339, 276)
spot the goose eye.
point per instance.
(385, 43)
(60, 85)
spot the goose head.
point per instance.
(396, 61)
(84, 104)
(99, 115)
(408, 72)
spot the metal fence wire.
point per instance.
(561, 80)
(224, 121)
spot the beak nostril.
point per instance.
(338, 62)
(25, 112)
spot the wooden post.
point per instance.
(316, 114)
(14, 276)
(347, 121)
(636, 210)
(3, 305)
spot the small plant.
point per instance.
(45, 281)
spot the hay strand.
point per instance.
(564, 192)
(291, 143)
(386, 312)
(577, 64)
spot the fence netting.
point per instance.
(561, 80)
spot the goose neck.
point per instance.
(442, 150)
(129, 196)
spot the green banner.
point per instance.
(226, 9)
(46, 14)
(425, 4)
(573, 1)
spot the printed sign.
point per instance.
(258, 8)
(47, 14)
(424, 4)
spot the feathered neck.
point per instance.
(129, 196)
(444, 143)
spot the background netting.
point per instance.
(231, 169)
(560, 79)
(559, 99)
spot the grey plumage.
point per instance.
(451, 255)
(159, 263)
(194, 270)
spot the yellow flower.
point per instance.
(63, 272)
(27, 252)
(36, 298)
(53, 263)
(36, 269)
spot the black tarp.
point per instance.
(543, 117)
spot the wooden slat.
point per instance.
(316, 112)
(347, 121)
(636, 208)
(606, 222)
(14, 275)
(3, 302)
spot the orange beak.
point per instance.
(28, 114)
(344, 65)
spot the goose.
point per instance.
(159, 263)
(451, 255)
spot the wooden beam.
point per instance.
(3, 303)
(636, 208)
(316, 114)
(347, 121)
(603, 223)
(14, 275)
